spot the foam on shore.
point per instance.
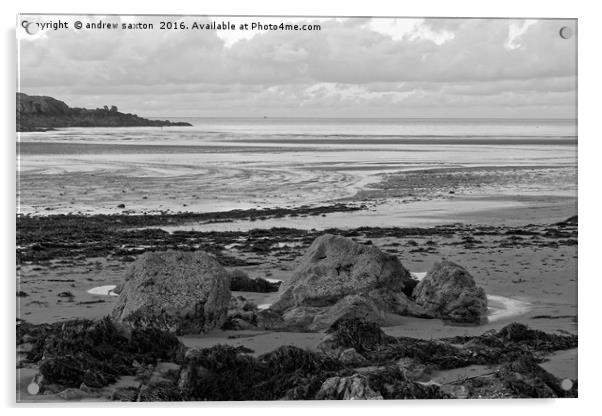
(502, 307)
(418, 275)
(103, 290)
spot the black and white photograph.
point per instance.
(234, 208)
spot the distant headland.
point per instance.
(40, 113)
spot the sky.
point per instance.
(351, 67)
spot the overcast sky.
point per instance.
(355, 67)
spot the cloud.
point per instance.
(356, 66)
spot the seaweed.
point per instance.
(94, 352)
(392, 383)
(357, 333)
(241, 282)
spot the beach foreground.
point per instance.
(67, 270)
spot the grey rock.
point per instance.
(334, 267)
(73, 394)
(414, 370)
(268, 319)
(181, 292)
(338, 278)
(351, 357)
(450, 292)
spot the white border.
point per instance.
(589, 177)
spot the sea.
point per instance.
(220, 164)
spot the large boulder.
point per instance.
(338, 278)
(181, 292)
(334, 267)
(450, 292)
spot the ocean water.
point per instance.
(222, 164)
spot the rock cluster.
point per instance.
(338, 278)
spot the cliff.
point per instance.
(39, 113)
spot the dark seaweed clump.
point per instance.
(357, 333)
(93, 352)
(223, 373)
(241, 282)
(96, 353)
(520, 378)
(392, 383)
(492, 347)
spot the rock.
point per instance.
(449, 292)
(25, 347)
(125, 389)
(354, 387)
(520, 378)
(86, 389)
(338, 278)
(242, 314)
(66, 294)
(391, 383)
(73, 394)
(351, 357)
(571, 221)
(315, 318)
(334, 267)
(181, 292)
(123, 394)
(456, 391)
(413, 370)
(164, 373)
(268, 319)
(358, 334)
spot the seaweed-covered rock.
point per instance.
(316, 318)
(512, 340)
(392, 383)
(242, 314)
(338, 278)
(268, 319)
(361, 335)
(218, 373)
(414, 369)
(181, 292)
(450, 292)
(354, 387)
(226, 373)
(520, 378)
(351, 357)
